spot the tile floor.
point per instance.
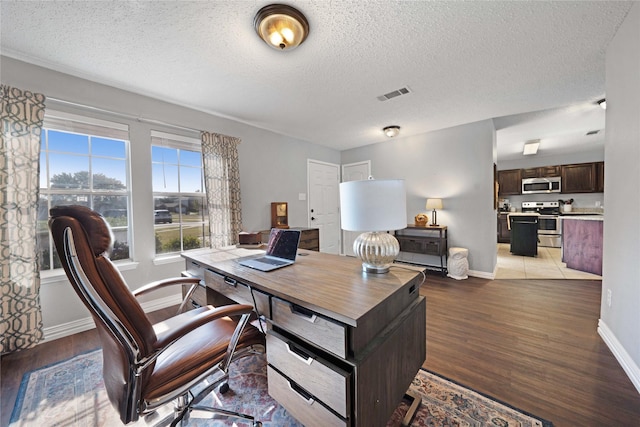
(547, 265)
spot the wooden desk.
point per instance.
(342, 346)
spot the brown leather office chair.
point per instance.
(145, 365)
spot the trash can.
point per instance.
(524, 234)
(457, 263)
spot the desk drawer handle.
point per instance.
(299, 354)
(231, 282)
(300, 392)
(303, 313)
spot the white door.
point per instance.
(353, 172)
(323, 179)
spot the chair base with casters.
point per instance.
(145, 365)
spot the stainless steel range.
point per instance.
(549, 234)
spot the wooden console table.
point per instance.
(342, 347)
(309, 238)
(427, 240)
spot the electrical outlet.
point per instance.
(609, 297)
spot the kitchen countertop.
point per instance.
(583, 217)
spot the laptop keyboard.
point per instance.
(272, 261)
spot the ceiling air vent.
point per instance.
(398, 92)
(592, 132)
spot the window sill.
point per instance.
(169, 259)
(58, 274)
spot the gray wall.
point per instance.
(619, 323)
(454, 164)
(272, 168)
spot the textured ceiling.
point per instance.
(462, 61)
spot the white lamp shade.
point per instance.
(434, 204)
(373, 205)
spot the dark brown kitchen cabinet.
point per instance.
(504, 234)
(541, 172)
(579, 178)
(600, 177)
(509, 182)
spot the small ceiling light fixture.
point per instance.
(531, 147)
(391, 131)
(281, 26)
(602, 103)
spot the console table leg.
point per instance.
(415, 403)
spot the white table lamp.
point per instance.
(375, 207)
(434, 204)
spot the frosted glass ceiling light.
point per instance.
(531, 148)
(282, 27)
(603, 103)
(391, 131)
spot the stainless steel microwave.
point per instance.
(541, 185)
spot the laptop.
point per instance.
(281, 251)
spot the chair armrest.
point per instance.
(164, 338)
(159, 284)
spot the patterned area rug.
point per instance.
(71, 393)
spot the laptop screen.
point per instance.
(283, 243)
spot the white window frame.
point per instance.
(91, 127)
(180, 142)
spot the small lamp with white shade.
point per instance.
(433, 204)
(374, 207)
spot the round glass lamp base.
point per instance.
(377, 250)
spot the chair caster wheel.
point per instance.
(257, 424)
(224, 387)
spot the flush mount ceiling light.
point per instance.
(602, 103)
(391, 131)
(531, 147)
(280, 26)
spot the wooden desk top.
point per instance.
(332, 285)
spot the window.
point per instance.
(181, 220)
(84, 161)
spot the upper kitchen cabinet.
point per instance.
(579, 178)
(541, 172)
(510, 182)
(600, 177)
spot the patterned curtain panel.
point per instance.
(222, 183)
(21, 116)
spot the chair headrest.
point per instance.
(97, 229)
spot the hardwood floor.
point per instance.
(530, 343)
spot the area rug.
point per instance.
(71, 393)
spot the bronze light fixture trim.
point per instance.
(281, 26)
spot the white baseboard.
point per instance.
(482, 274)
(630, 367)
(63, 330)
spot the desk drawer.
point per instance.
(237, 291)
(322, 379)
(302, 405)
(324, 333)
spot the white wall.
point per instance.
(272, 168)
(620, 322)
(454, 164)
